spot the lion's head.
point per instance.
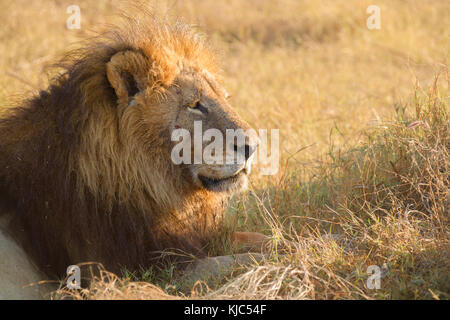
(165, 79)
(156, 110)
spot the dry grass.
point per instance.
(370, 184)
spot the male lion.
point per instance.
(85, 165)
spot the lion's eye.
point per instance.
(197, 106)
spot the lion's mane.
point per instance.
(79, 191)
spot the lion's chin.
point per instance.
(237, 182)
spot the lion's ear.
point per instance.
(127, 73)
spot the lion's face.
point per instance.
(199, 107)
(192, 120)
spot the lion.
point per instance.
(85, 165)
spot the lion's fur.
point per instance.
(78, 188)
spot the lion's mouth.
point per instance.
(221, 184)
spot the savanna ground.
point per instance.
(363, 119)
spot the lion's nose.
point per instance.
(248, 150)
(251, 143)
